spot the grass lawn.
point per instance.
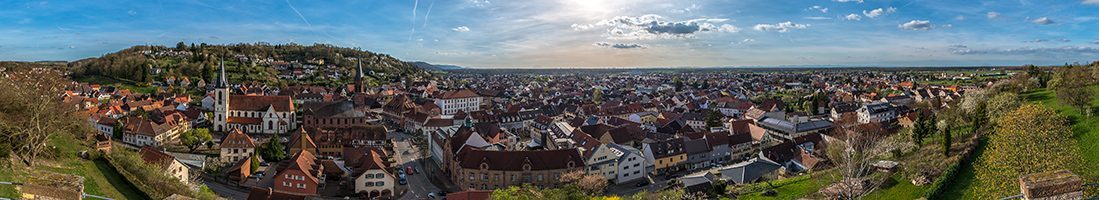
(99, 177)
(897, 187)
(791, 188)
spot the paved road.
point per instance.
(227, 191)
(409, 155)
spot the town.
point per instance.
(706, 134)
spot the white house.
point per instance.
(372, 175)
(632, 164)
(876, 112)
(462, 100)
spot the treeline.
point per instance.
(248, 62)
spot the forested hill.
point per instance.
(274, 64)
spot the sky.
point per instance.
(581, 33)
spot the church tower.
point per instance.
(221, 96)
(359, 86)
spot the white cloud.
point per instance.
(959, 17)
(461, 29)
(1091, 2)
(1073, 50)
(822, 9)
(845, 1)
(479, 3)
(818, 18)
(619, 45)
(691, 9)
(729, 28)
(878, 12)
(921, 25)
(780, 27)
(656, 27)
(1043, 21)
(993, 15)
(744, 41)
(854, 17)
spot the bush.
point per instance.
(151, 179)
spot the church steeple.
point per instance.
(222, 80)
(359, 86)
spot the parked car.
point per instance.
(643, 183)
(410, 170)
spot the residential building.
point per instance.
(461, 100)
(146, 132)
(236, 146)
(300, 174)
(172, 166)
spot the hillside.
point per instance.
(280, 64)
(438, 67)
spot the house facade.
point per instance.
(236, 146)
(462, 100)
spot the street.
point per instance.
(408, 155)
(227, 191)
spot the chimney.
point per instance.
(1061, 184)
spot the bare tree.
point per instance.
(31, 109)
(854, 157)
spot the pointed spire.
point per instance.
(222, 79)
(359, 71)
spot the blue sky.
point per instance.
(582, 33)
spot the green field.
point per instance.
(1085, 131)
(99, 177)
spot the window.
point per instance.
(381, 183)
(379, 175)
(287, 184)
(369, 184)
(301, 185)
(369, 176)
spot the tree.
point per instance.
(1033, 138)
(181, 46)
(592, 184)
(1002, 104)
(597, 95)
(854, 157)
(117, 130)
(924, 126)
(979, 116)
(195, 138)
(713, 119)
(31, 110)
(254, 164)
(948, 138)
(1073, 90)
(273, 150)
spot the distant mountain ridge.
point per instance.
(429, 66)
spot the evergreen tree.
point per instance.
(947, 139)
(273, 150)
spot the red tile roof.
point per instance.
(260, 103)
(457, 94)
(472, 158)
(237, 139)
